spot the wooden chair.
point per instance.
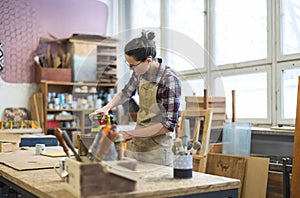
(198, 117)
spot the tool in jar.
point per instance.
(65, 142)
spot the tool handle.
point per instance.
(58, 135)
(70, 145)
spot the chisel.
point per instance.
(70, 145)
(58, 135)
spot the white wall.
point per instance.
(15, 95)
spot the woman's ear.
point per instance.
(149, 59)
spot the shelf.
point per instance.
(74, 110)
(39, 130)
(78, 84)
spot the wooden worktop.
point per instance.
(157, 181)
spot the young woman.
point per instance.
(159, 93)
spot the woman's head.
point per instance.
(142, 47)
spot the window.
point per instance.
(290, 26)
(251, 99)
(191, 87)
(240, 31)
(145, 14)
(289, 92)
(185, 39)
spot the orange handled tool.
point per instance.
(58, 135)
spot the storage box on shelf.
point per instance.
(68, 104)
(91, 57)
(52, 74)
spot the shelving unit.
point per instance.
(79, 113)
(93, 62)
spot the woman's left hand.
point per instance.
(126, 135)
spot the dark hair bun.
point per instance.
(150, 35)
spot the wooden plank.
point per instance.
(157, 181)
(34, 110)
(27, 160)
(295, 191)
(207, 116)
(40, 104)
(256, 177)
(228, 166)
(199, 99)
(275, 185)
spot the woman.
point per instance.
(159, 93)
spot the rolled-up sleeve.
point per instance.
(169, 93)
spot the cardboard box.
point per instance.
(52, 74)
(87, 178)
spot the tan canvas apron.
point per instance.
(153, 149)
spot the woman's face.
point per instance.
(138, 67)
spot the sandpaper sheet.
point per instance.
(28, 160)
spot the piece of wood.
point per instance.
(233, 105)
(295, 190)
(156, 181)
(27, 159)
(84, 177)
(8, 146)
(256, 177)
(216, 104)
(206, 116)
(228, 166)
(275, 185)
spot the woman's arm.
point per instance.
(153, 130)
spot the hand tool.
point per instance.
(178, 144)
(196, 146)
(70, 145)
(58, 135)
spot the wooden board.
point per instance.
(295, 190)
(27, 160)
(256, 177)
(228, 166)
(156, 181)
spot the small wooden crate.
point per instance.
(52, 74)
(93, 179)
(9, 142)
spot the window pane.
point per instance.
(290, 26)
(145, 13)
(189, 87)
(240, 31)
(289, 92)
(186, 20)
(250, 94)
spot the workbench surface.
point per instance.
(157, 181)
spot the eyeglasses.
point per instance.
(132, 66)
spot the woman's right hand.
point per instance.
(98, 111)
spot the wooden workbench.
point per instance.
(157, 181)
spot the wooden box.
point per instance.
(9, 142)
(52, 74)
(94, 178)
